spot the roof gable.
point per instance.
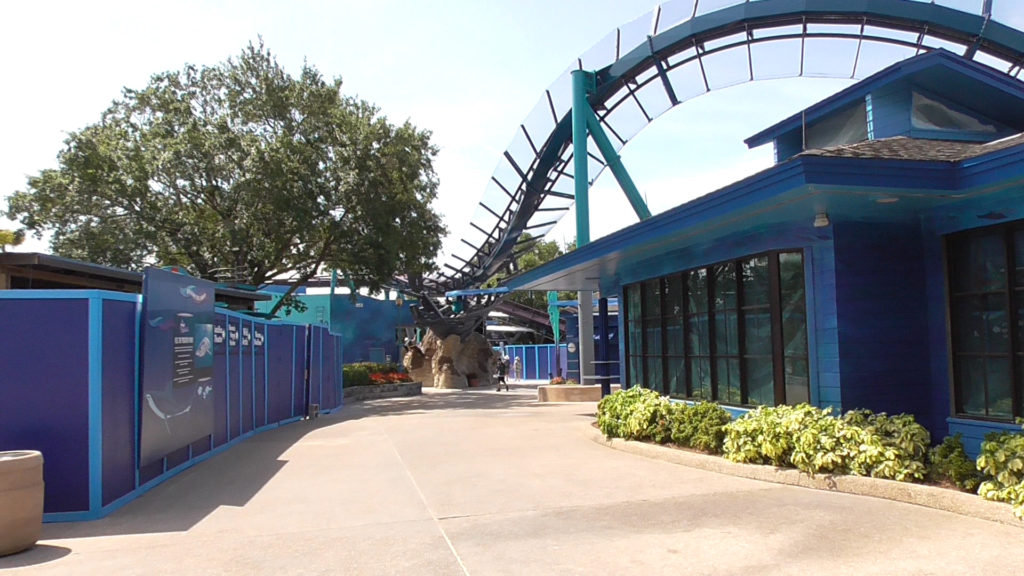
(954, 78)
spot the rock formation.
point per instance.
(451, 362)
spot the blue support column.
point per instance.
(602, 347)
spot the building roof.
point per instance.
(903, 148)
(55, 271)
(958, 79)
(883, 179)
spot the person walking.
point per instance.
(502, 370)
(517, 369)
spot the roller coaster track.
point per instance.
(681, 50)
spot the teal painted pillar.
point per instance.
(582, 84)
(604, 145)
(554, 314)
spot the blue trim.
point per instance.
(477, 292)
(227, 380)
(252, 370)
(291, 399)
(95, 403)
(321, 397)
(21, 294)
(1007, 426)
(266, 374)
(137, 456)
(241, 408)
(810, 317)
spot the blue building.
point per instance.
(878, 264)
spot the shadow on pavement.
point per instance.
(229, 478)
(40, 554)
(234, 476)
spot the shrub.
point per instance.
(893, 447)
(813, 440)
(633, 414)
(1001, 461)
(556, 381)
(355, 375)
(377, 367)
(643, 414)
(949, 462)
(700, 426)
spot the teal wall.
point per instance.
(366, 326)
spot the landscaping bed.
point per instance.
(391, 390)
(858, 452)
(372, 380)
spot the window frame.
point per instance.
(707, 314)
(1012, 294)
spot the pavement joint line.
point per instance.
(426, 505)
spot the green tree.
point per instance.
(241, 167)
(541, 252)
(10, 238)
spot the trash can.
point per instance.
(21, 500)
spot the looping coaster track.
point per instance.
(679, 51)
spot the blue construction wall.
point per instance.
(69, 389)
(883, 320)
(539, 362)
(45, 392)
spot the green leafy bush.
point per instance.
(633, 414)
(700, 426)
(377, 367)
(643, 414)
(949, 462)
(355, 375)
(893, 447)
(813, 440)
(1001, 461)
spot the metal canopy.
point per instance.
(684, 49)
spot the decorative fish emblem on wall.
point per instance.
(191, 292)
(161, 323)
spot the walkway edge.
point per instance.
(953, 501)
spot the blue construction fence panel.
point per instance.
(539, 360)
(70, 390)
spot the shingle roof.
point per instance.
(903, 148)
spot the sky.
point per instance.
(468, 70)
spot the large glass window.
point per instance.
(987, 310)
(734, 332)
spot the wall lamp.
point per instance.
(821, 220)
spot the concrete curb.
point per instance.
(953, 501)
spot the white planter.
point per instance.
(21, 500)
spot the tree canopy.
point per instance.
(240, 170)
(541, 252)
(10, 238)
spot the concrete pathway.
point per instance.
(480, 482)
